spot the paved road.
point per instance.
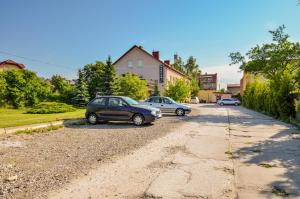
(224, 152)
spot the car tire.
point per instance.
(180, 112)
(138, 119)
(92, 119)
(221, 104)
(236, 104)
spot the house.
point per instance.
(208, 81)
(234, 89)
(148, 66)
(10, 64)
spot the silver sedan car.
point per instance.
(168, 105)
(229, 101)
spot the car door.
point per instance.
(117, 109)
(99, 107)
(167, 106)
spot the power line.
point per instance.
(35, 60)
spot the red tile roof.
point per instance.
(11, 62)
(141, 48)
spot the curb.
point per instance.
(10, 130)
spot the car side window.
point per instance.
(166, 101)
(100, 101)
(116, 102)
(157, 100)
(150, 99)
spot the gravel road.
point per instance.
(32, 165)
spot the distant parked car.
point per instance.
(195, 100)
(168, 105)
(229, 101)
(117, 108)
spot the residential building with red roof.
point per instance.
(208, 81)
(10, 64)
(148, 66)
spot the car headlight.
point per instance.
(153, 113)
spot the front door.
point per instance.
(168, 106)
(117, 109)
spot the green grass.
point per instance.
(19, 117)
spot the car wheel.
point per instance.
(180, 112)
(138, 120)
(92, 118)
(236, 104)
(222, 104)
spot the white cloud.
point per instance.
(226, 74)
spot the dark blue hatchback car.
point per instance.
(119, 108)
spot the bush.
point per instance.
(132, 86)
(179, 90)
(51, 107)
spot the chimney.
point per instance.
(141, 47)
(155, 54)
(175, 58)
(167, 62)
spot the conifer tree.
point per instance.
(81, 93)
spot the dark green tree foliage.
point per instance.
(62, 90)
(22, 88)
(179, 65)
(81, 94)
(93, 77)
(109, 86)
(191, 67)
(279, 63)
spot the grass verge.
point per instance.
(19, 117)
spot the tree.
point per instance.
(179, 90)
(81, 93)
(194, 87)
(3, 89)
(279, 63)
(179, 65)
(156, 90)
(191, 67)
(62, 89)
(23, 88)
(132, 86)
(109, 86)
(93, 76)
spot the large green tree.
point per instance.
(279, 63)
(93, 76)
(131, 85)
(23, 88)
(109, 86)
(3, 89)
(178, 90)
(81, 93)
(62, 89)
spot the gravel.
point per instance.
(43, 162)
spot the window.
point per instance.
(166, 101)
(157, 100)
(116, 102)
(129, 63)
(99, 101)
(140, 63)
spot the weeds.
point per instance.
(40, 130)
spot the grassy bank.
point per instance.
(19, 117)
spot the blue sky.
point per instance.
(71, 33)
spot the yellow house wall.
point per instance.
(8, 67)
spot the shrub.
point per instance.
(51, 107)
(179, 90)
(132, 86)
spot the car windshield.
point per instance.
(130, 101)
